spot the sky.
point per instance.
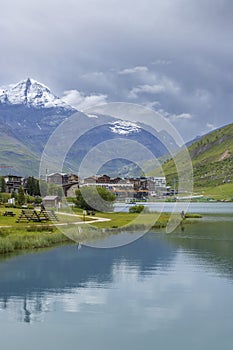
(174, 56)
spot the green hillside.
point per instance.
(212, 158)
(15, 154)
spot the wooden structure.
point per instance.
(8, 213)
(51, 201)
(28, 215)
(13, 183)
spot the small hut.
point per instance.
(51, 201)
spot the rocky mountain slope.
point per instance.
(32, 94)
(29, 114)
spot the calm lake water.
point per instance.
(161, 292)
(200, 208)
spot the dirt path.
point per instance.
(94, 220)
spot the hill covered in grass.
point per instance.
(212, 158)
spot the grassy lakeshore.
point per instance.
(15, 240)
(133, 222)
(22, 236)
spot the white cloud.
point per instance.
(137, 69)
(175, 117)
(146, 89)
(163, 85)
(81, 101)
(182, 116)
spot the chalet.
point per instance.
(70, 188)
(73, 178)
(116, 180)
(157, 186)
(139, 183)
(103, 179)
(62, 178)
(122, 189)
(159, 181)
(89, 180)
(51, 201)
(13, 183)
(57, 178)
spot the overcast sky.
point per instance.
(175, 56)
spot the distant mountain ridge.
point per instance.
(29, 114)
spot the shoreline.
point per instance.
(16, 238)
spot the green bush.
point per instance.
(136, 209)
(4, 197)
(7, 205)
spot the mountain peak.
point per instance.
(31, 93)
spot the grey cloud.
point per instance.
(109, 47)
(137, 69)
(148, 89)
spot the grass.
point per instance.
(11, 221)
(193, 216)
(12, 240)
(213, 174)
(221, 192)
(117, 219)
(133, 220)
(72, 219)
(23, 236)
(20, 236)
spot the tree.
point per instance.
(37, 200)
(2, 184)
(29, 186)
(60, 192)
(21, 196)
(95, 198)
(14, 195)
(32, 186)
(37, 188)
(53, 189)
(43, 188)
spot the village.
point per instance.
(58, 185)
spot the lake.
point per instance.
(200, 208)
(160, 292)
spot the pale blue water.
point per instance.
(201, 208)
(160, 292)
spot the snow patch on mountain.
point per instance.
(124, 127)
(31, 93)
(92, 115)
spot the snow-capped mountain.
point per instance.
(31, 93)
(121, 127)
(29, 114)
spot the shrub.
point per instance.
(136, 209)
